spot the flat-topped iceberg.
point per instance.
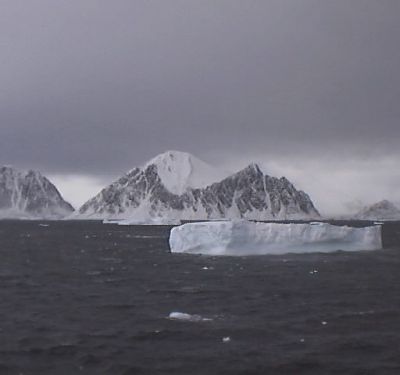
(250, 238)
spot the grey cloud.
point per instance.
(97, 87)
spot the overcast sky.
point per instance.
(309, 88)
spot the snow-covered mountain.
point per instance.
(30, 195)
(383, 210)
(172, 186)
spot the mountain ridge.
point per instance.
(249, 193)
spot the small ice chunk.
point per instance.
(324, 323)
(111, 221)
(176, 315)
(226, 339)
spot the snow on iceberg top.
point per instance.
(180, 170)
(242, 238)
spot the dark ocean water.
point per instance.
(87, 298)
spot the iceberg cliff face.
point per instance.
(146, 193)
(248, 238)
(30, 195)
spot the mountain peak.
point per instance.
(385, 203)
(255, 167)
(382, 210)
(179, 171)
(170, 156)
(29, 194)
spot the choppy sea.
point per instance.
(88, 298)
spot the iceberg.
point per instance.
(241, 238)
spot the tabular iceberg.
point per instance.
(249, 238)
